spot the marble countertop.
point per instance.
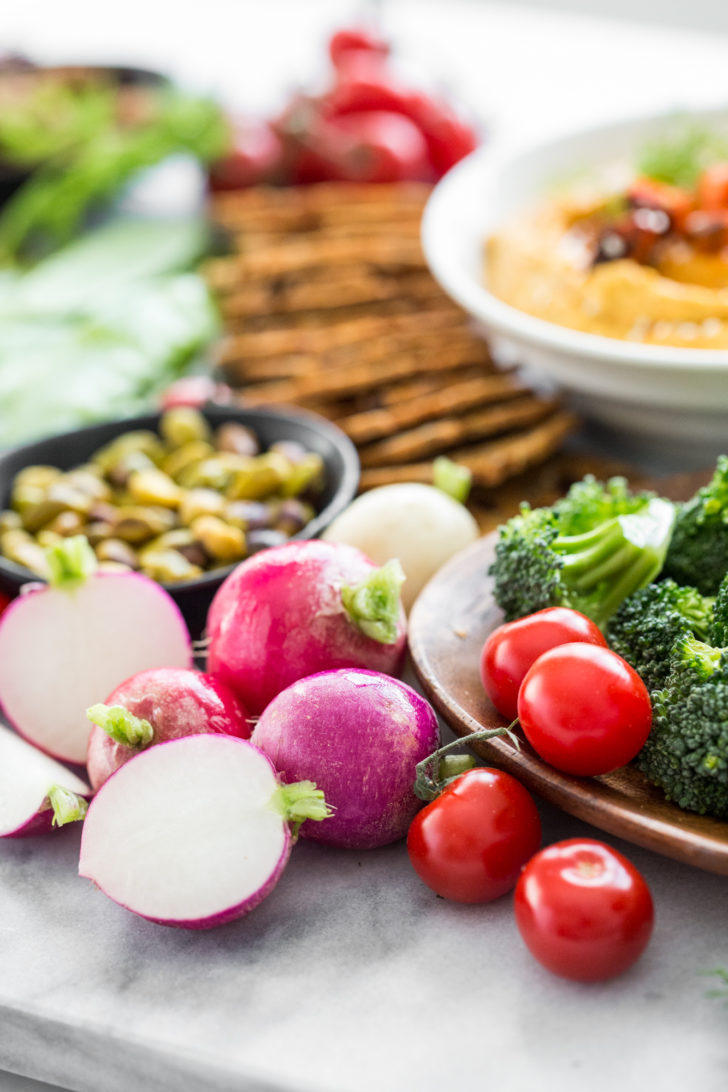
(352, 976)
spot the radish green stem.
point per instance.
(451, 478)
(433, 773)
(373, 605)
(67, 806)
(121, 725)
(299, 802)
(70, 563)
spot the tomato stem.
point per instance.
(436, 771)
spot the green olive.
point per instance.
(136, 524)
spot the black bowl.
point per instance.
(193, 597)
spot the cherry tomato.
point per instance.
(470, 843)
(512, 648)
(584, 710)
(345, 42)
(713, 187)
(583, 910)
(256, 156)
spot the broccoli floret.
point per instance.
(698, 553)
(718, 634)
(686, 753)
(589, 551)
(647, 624)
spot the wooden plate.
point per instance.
(448, 627)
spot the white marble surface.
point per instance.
(352, 976)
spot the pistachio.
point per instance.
(9, 521)
(236, 438)
(141, 440)
(66, 523)
(154, 487)
(169, 566)
(221, 541)
(186, 456)
(182, 425)
(114, 549)
(199, 502)
(249, 515)
(19, 547)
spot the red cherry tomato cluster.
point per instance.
(582, 707)
(583, 910)
(368, 126)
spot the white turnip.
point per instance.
(67, 644)
(157, 705)
(419, 524)
(193, 832)
(359, 735)
(301, 608)
(36, 793)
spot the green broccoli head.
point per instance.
(698, 552)
(686, 753)
(589, 551)
(718, 634)
(648, 623)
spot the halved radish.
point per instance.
(36, 793)
(156, 705)
(67, 644)
(194, 832)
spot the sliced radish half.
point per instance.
(65, 646)
(36, 793)
(194, 832)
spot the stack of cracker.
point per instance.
(328, 304)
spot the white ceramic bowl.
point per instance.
(668, 402)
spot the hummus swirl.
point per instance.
(541, 263)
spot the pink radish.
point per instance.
(36, 793)
(154, 706)
(194, 832)
(300, 608)
(65, 644)
(359, 736)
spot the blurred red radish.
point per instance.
(194, 832)
(64, 643)
(195, 390)
(359, 735)
(157, 705)
(36, 793)
(300, 608)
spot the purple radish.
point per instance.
(157, 705)
(359, 736)
(36, 793)
(194, 832)
(65, 644)
(300, 608)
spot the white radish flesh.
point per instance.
(193, 832)
(418, 524)
(26, 778)
(62, 651)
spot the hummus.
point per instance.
(543, 264)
